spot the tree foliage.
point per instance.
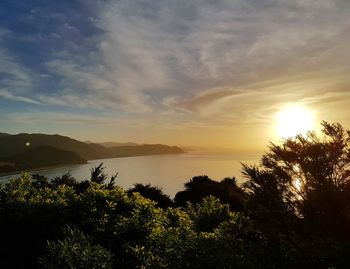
(302, 190)
(76, 251)
(153, 193)
(199, 187)
(114, 228)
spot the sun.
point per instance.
(294, 120)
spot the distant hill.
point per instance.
(41, 156)
(27, 151)
(13, 144)
(116, 144)
(139, 150)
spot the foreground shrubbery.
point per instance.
(293, 212)
(70, 227)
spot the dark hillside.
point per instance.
(38, 157)
(13, 144)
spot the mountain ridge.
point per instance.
(20, 150)
(118, 144)
(13, 144)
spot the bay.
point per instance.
(168, 172)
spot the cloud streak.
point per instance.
(210, 62)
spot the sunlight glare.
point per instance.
(297, 184)
(294, 120)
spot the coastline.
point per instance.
(43, 168)
(6, 174)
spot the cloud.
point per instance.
(59, 118)
(180, 52)
(9, 96)
(13, 76)
(195, 61)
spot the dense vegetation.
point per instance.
(293, 212)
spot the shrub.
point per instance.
(76, 251)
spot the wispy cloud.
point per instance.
(192, 51)
(9, 96)
(201, 61)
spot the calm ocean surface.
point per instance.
(169, 172)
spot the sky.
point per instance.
(180, 72)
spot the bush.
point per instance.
(208, 214)
(200, 187)
(152, 193)
(76, 251)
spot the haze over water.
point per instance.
(169, 172)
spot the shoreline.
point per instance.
(7, 174)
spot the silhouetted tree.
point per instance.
(199, 187)
(302, 189)
(66, 179)
(40, 181)
(198, 182)
(100, 177)
(111, 182)
(153, 193)
(97, 174)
